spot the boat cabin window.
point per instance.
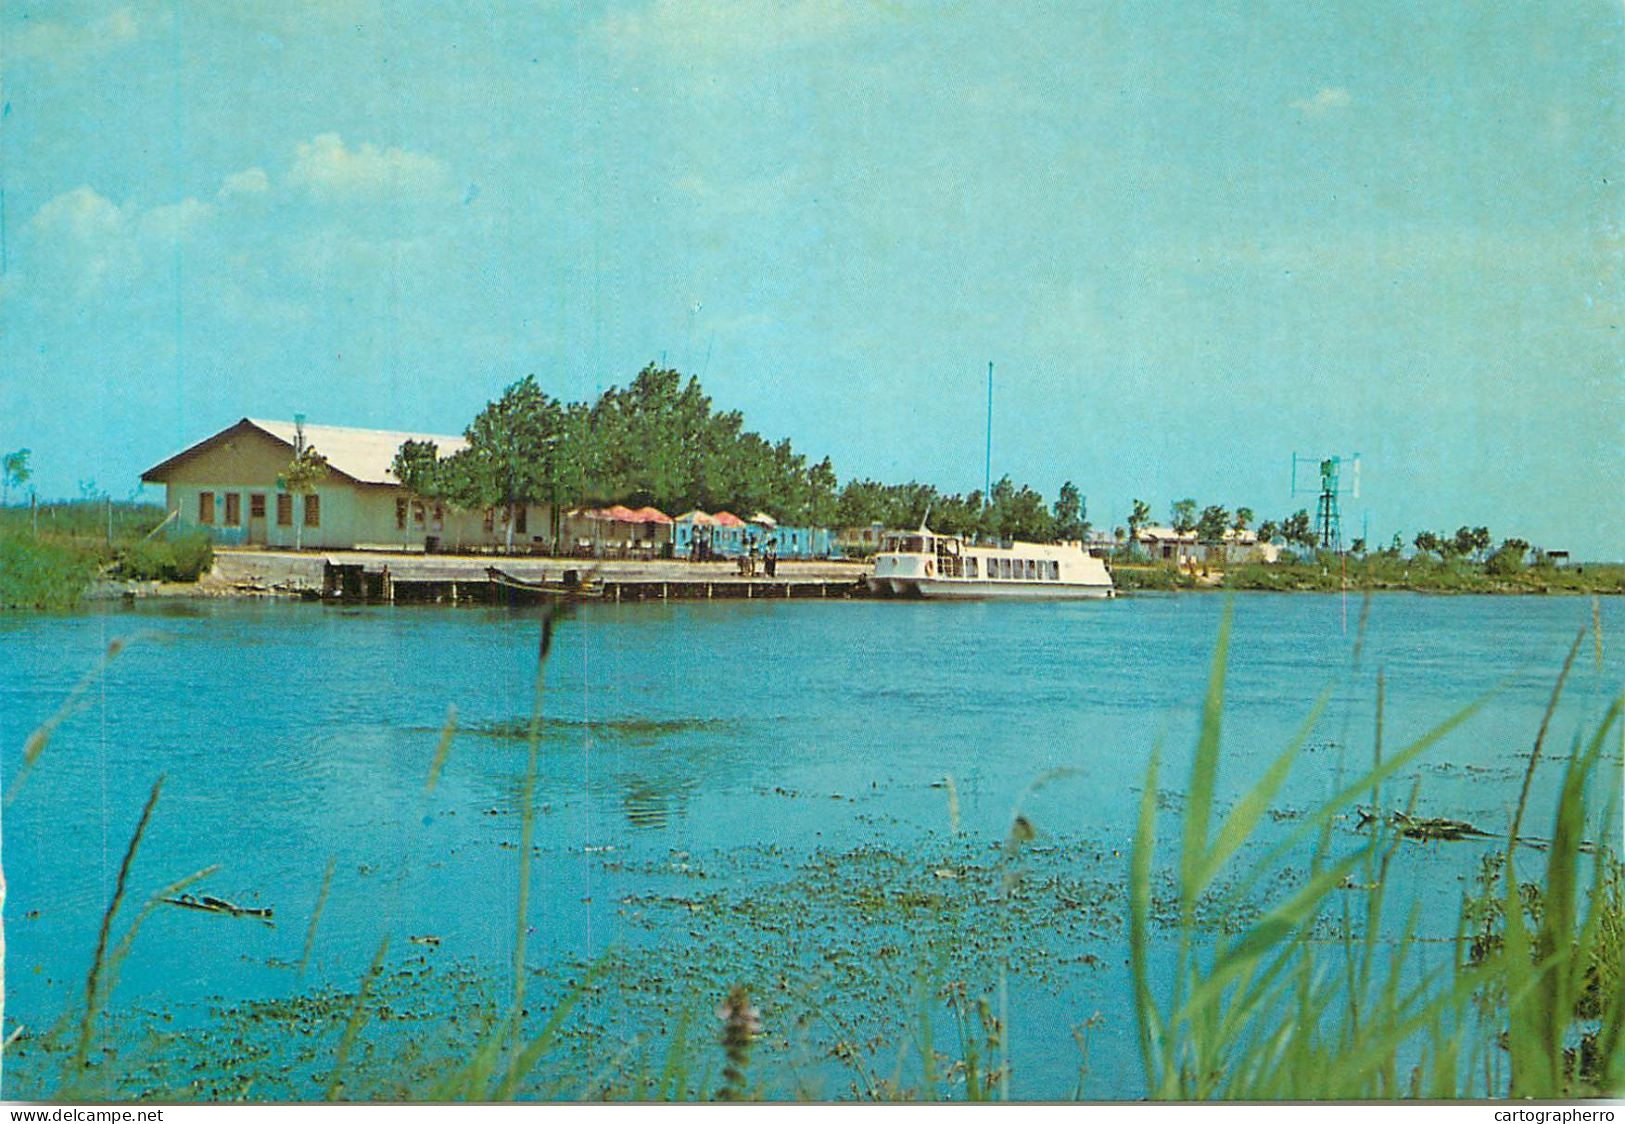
(1032, 569)
(1054, 571)
(1004, 567)
(907, 544)
(970, 566)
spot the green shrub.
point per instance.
(39, 574)
(182, 558)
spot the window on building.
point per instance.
(490, 521)
(519, 519)
(313, 511)
(417, 512)
(284, 510)
(400, 514)
(439, 513)
(234, 509)
(256, 506)
(205, 507)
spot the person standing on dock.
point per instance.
(770, 558)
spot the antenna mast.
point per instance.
(987, 468)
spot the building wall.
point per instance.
(351, 515)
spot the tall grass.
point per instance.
(1274, 1012)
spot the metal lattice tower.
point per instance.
(1328, 514)
(1328, 520)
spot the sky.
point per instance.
(1193, 238)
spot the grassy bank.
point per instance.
(1331, 574)
(49, 557)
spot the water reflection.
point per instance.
(654, 804)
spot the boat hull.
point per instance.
(940, 589)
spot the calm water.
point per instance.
(747, 792)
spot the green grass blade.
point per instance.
(1147, 1022)
(1243, 818)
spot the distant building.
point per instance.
(226, 486)
(1164, 544)
(1183, 548)
(864, 539)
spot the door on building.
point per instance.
(256, 518)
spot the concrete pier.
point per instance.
(368, 577)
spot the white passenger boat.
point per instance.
(925, 564)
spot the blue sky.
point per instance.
(1194, 238)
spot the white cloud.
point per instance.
(249, 181)
(90, 242)
(328, 169)
(1327, 99)
(80, 215)
(88, 239)
(65, 43)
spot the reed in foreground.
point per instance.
(1274, 1013)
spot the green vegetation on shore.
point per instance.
(1329, 573)
(50, 555)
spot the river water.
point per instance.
(811, 799)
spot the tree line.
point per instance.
(661, 442)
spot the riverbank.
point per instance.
(1378, 576)
(454, 579)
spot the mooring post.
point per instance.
(664, 595)
(454, 591)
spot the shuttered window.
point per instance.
(400, 514)
(284, 510)
(313, 511)
(205, 507)
(256, 506)
(234, 509)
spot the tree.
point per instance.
(1464, 541)
(512, 457)
(1024, 516)
(1244, 519)
(417, 467)
(1357, 546)
(1138, 517)
(1428, 543)
(1508, 559)
(1268, 531)
(1211, 525)
(1184, 512)
(16, 473)
(1069, 512)
(821, 498)
(307, 469)
(1298, 530)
